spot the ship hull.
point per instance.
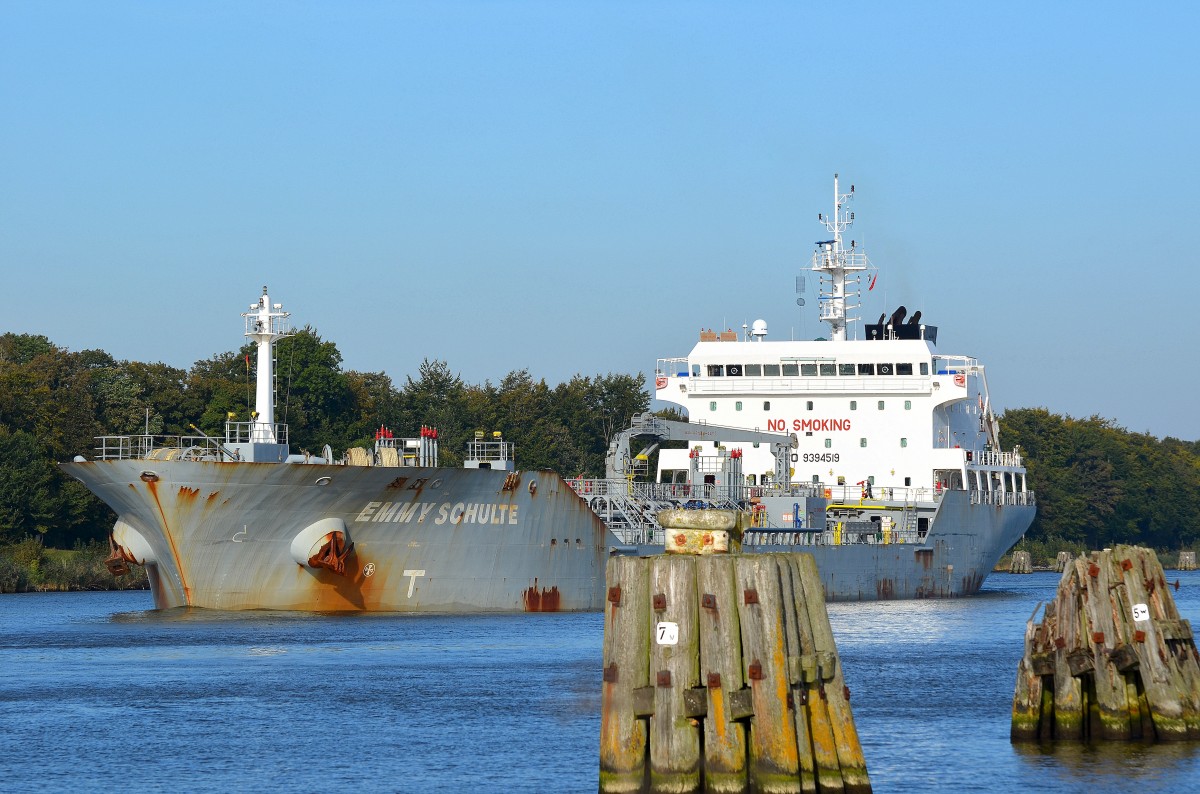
(224, 536)
(963, 546)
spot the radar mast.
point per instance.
(265, 323)
(838, 268)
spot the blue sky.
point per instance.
(580, 187)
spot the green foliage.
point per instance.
(1098, 484)
(23, 348)
(27, 566)
(28, 487)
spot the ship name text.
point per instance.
(446, 512)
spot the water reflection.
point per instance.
(1106, 766)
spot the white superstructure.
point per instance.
(887, 414)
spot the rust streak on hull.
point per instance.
(166, 530)
(545, 599)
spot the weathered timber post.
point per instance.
(1187, 561)
(626, 673)
(1120, 661)
(1062, 561)
(721, 650)
(675, 674)
(738, 687)
(1021, 563)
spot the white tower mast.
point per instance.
(838, 267)
(265, 322)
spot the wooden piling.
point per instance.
(1112, 648)
(739, 686)
(626, 660)
(722, 671)
(1021, 563)
(674, 675)
(1187, 561)
(851, 762)
(1062, 561)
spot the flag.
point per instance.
(872, 282)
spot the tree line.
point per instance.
(1096, 483)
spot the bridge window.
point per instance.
(845, 369)
(885, 369)
(808, 370)
(866, 369)
(924, 367)
(809, 405)
(695, 370)
(791, 370)
(733, 370)
(828, 370)
(908, 483)
(771, 370)
(753, 370)
(904, 369)
(715, 370)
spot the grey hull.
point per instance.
(221, 535)
(963, 545)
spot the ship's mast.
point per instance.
(838, 267)
(265, 322)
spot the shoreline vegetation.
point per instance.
(29, 567)
(1043, 554)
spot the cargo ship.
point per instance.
(242, 522)
(870, 449)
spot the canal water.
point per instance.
(98, 691)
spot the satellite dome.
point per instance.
(758, 329)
